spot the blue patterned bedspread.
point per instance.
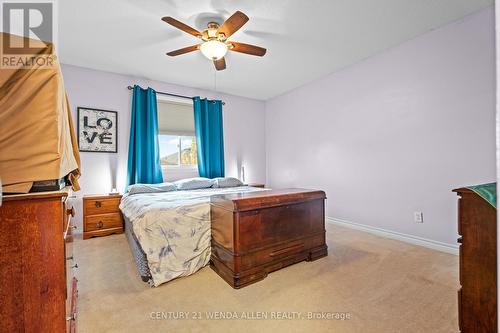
(173, 229)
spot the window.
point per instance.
(177, 151)
(176, 134)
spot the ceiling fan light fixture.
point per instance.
(213, 49)
(214, 42)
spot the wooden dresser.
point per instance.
(256, 233)
(101, 215)
(477, 298)
(38, 291)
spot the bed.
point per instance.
(169, 232)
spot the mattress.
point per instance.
(171, 230)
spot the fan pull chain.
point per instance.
(215, 81)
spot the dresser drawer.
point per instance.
(277, 253)
(101, 206)
(103, 221)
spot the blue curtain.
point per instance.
(144, 152)
(209, 137)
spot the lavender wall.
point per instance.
(244, 129)
(395, 133)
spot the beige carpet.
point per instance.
(382, 284)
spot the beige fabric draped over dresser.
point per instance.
(37, 137)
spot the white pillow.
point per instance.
(151, 188)
(193, 183)
(221, 182)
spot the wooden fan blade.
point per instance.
(247, 48)
(181, 26)
(220, 64)
(233, 23)
(183, 50)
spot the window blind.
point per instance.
(175, 118)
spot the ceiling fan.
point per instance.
(215, 44)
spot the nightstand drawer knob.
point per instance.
(99, 225)
(98, 204)
(71, 211)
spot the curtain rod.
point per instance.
(169, 94)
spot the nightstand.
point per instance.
(257, 185)
(101, 215)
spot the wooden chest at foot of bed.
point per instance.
(256, 233)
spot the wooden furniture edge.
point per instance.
(463, 190)
(260, 272)
(104, 232)
(265, 247)
(102, 196)
(266, 199)
(37, 196)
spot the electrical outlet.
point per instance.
(419, 217)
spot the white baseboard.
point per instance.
(415, 240)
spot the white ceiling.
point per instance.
(305, 40)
